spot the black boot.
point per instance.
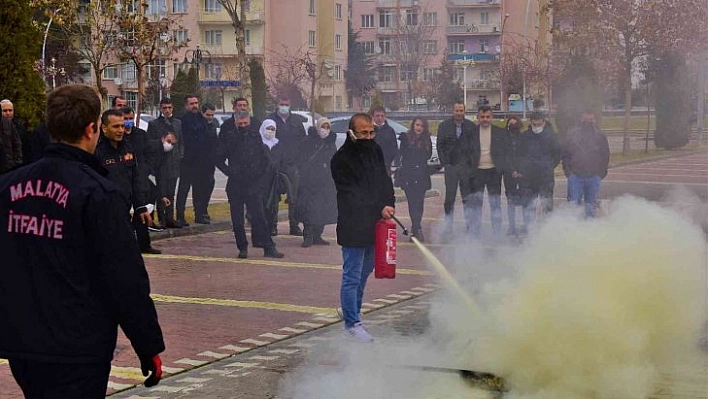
(242, 254)
(307, 241)
(271, 252)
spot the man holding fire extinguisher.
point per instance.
(364, 195)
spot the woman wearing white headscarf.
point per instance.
(317, 196)
(277, 187)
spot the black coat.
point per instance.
(363, 190)
(169, 161)
(65, 289)
(386, 139)
(499, 147)
(414, 162)
(317, 196)
(242, 156)
(290, 132)
(199, 143)
(123, 170)
(462, 152)
(540, 154)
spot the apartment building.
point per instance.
(408, 39)
(315, 27)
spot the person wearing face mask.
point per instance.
(317, 200)
(511, 175)
(163, 167)
(276, 188)
(291, 132)
(416, 149)
(586, 156)
(539, 155)
(364, 196)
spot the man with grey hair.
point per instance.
(10, 138)
(242, 156)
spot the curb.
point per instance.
(194, 228)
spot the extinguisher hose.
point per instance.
(405, 230)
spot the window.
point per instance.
(458, 75)
(385, 19)
(338, 102)
(386, 74)
(156, 7)
(128, 72)
(430, 19)
(157, 69)
(457, 18)
(385, 45)
(180, 66)
(338, 10)
(110, 72)
(368, 47)
(337, 72)
(367, 21)
(85, 71)
(428, 74)
(212, 71)
(181, 35)
(430, 46)
(485, 18)
(338, 42)
(212, 37)
(246, 5)
(407, 73)
(247, 37)
(484, 45)
(312, 7)
(212, 6)
(456, 46)
(132, 98)
(179, 6)
(411, 17)
(311, 38)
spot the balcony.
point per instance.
(472, 29)
(396, 3)
(214, 17)
(473, 3)
(482, 85)
(255, 50)
(219, 51)
(389, 86)
(387, 31)
(476, 57)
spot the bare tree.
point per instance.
(237, 13)
(619, 33)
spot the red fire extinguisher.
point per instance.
(385, 249)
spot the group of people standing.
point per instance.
(482, 156)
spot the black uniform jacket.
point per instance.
(363, 190)
(122, 165)
(71, 269)
(249, 166)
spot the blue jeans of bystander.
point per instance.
(585, 188)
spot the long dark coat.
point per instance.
(414, 162)
(317, 200)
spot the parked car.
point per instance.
(340, 125)
(306, 115)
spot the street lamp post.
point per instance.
(197, 58)
(465, 63)
(54, 71)
(502, 100)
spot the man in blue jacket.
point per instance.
(71, 271)
(364, 195)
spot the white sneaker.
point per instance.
(359, 333)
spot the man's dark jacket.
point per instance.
(461, 152)
(586, 153)
(499, 147)
(249, 166)
(363, 190)
(539, 154)
(122, 165)
(146, 150)
(65, 289)
(10, 141)
(387, 140)
(157, 129)
(199, 143)
(291, 132)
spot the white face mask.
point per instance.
(537, 129)
(269, 134)
(283, 109)
(167, 146)
(322, 132)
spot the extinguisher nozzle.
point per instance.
(405, 230)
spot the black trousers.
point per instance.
(416, 200)
(260, 232)
(201, 181)
(166, 213)
(293, 176)
(141, 232)
(313, 230)
(41, 380)
(457, 175)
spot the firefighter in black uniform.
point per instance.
(71, 270)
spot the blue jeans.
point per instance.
(358, 264)
(584, 188)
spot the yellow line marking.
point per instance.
(127, 373)
(285, 307)
(273, 263)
